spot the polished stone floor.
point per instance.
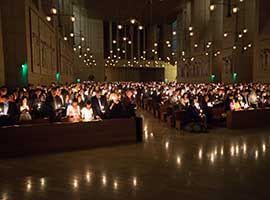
(170, 164)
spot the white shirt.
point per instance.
(72, 112)
(6, 107)
(87, 114)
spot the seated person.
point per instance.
(99, 105)
(73, 111)
(87, 112)
(129, 103)
(25, 110)
(184, 102)
(53, 107)
(253, 99)
(206, 107)
(196, 121)
(116, 107)
(8, 112)
(235, 104)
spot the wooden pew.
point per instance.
(57, 137)
(179, 119)
(218, 117)
(247, 119)
(35, 121)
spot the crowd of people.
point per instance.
(75, 102)
(200, 101)
(98, 101)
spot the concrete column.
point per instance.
(138, 44)
(132, 44)
(249, 19)
(110, 36)
(117, 42)
(15, 47)
(216, 21)
(166, 36)
(125, 43)
(144, 42)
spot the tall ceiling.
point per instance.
(146, 11)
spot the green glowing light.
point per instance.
(57, 76)
(235, 77)
(24, 74)
(78, 80)
(213, 78)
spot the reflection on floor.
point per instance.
(170, 164)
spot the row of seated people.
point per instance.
(71, 102)
(203, 104)
(118, 99)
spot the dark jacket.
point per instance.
(130, 106)
(117, 111)
(96, 107)
(12, 115)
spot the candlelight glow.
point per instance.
(134, 181)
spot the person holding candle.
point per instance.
(73, 111)
(87, 112)
(8, 112)
(116, 108)
(99, 105)
(25, 110)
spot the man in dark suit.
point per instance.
(8, 112)
(54, 106)
(100, 105)
(129, 104)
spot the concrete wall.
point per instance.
(170, 72)
(39, 45)
(14, 40)
(93, 33)
(261, 71)
(134, 74)
(251, 64)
